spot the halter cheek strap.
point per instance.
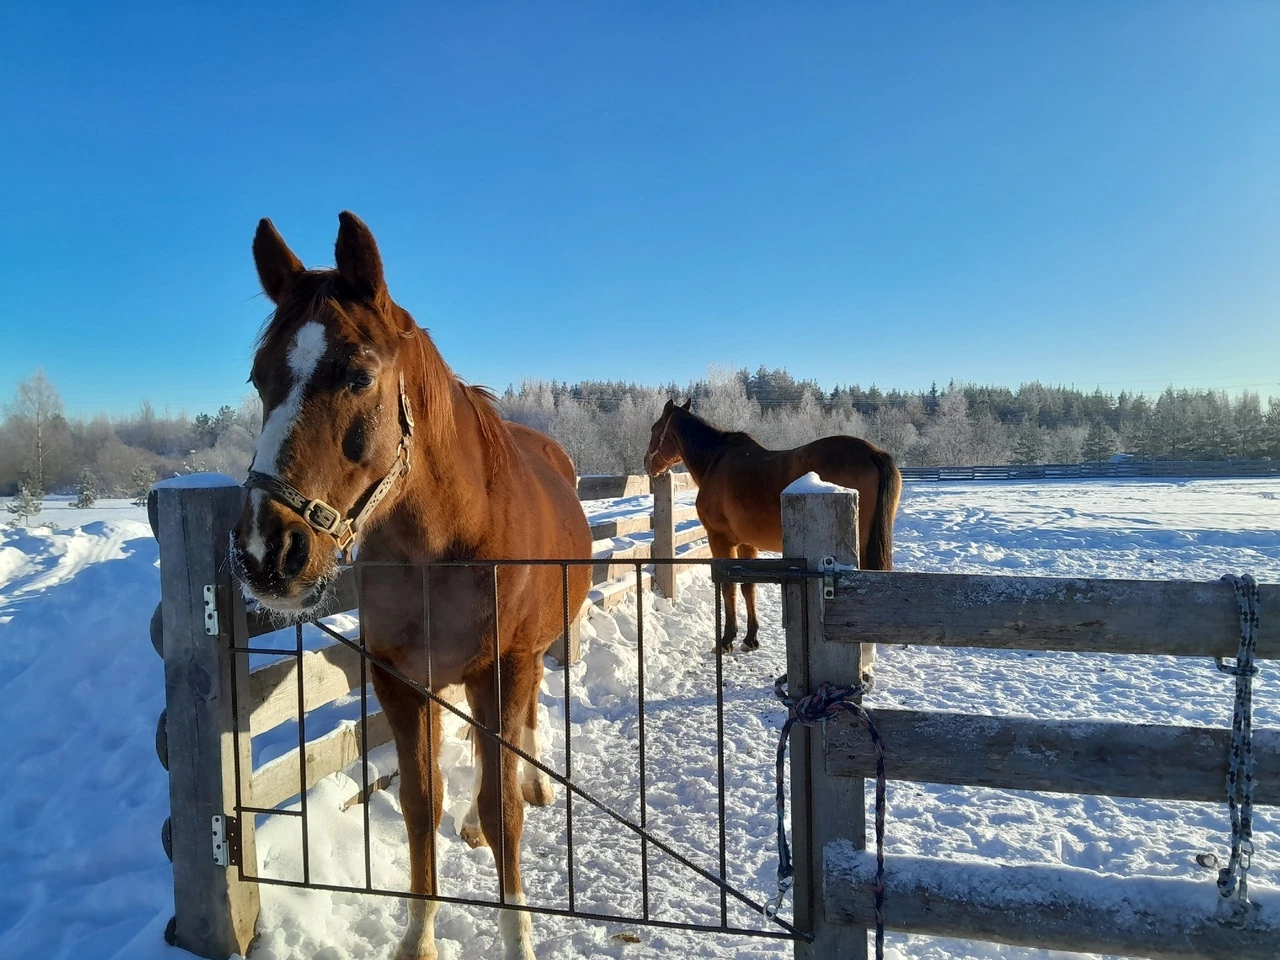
(657, 450)
(325, 519)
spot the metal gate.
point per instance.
(721, 572)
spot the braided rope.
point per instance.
(1240, 769)
(813, 710)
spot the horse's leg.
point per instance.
(722, 548)
(747, 552)
(534, 784)
(416, 726)
(471, 832)
(501, 803)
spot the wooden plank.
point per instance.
(625, 526)
(664, 535)
(823, 809)
(608, 594)
(1098, 758)
(1173, 617)
(568, 651)
(330, 673)
(626, 485)
(1052, 908)
(345, 599)
(622, 527)
(277, 781)
(215, 912)
(612, 487)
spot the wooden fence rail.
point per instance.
(1180, 469)
(1049, 907)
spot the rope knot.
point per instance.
(811, 710)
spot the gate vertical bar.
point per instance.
(215, 911)
(817, 524)
(664, 534)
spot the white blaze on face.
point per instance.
(304, 355)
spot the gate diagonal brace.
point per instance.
(476, 727)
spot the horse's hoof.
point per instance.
(472, 835)
(726, 646)
(749, 642)
(538, 792)
(410, 951)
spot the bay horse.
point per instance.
(368, 436)
(740, 486)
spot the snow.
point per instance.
(812, 483)
(83, 799)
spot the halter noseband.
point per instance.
(324, 518)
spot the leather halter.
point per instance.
(325, 519)
(661, 440)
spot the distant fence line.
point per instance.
(1185, 469)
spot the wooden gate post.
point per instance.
(819, 520)
(215, 911)
(664, 534)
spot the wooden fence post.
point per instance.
(568, 651)
(664, 534)
(818, 523)
(215, 911)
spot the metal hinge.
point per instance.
(830, 570)
(226, 841)
(211, 610)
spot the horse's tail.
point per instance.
(880, 544)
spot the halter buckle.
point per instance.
(323, 517)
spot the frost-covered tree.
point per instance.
(947, 437)
(892, 430)
(26, 504)
(576, 429)
(726, 404)
(1028, 443)
(86, 490)
(1099, 442)
(1064, 444)
(37, 419)
(143, 480)
(988, 440)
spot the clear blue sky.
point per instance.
(1080, 193)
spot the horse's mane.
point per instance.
(700, 436)
(436, 381)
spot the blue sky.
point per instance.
(1071, 192)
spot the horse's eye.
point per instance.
(361, 380)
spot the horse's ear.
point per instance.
(687, 404)
(276, 263)
(356, 254)
(668, 408)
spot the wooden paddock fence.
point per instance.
(202, 613)
(1057, 908)
(1169, 469)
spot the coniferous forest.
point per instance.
(605, 427)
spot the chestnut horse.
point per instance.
(368, 435)
(740, 486)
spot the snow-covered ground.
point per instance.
(82, 797)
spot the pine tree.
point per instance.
(1028, 443)
(27, 503)
(1099, 443)
(143, 478)
(87, 490)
